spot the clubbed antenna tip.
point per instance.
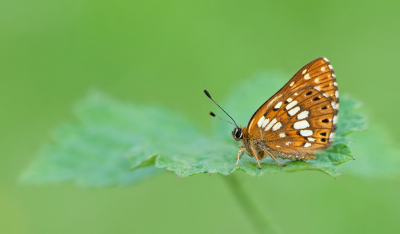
(207, 93)
(213, 115)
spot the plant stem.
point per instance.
(256, 217)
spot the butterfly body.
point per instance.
(297, 121)
(252, 146)
(257, 147)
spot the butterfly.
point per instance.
(296, 122)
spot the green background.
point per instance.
(166, 53)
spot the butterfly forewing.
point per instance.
(301, 118)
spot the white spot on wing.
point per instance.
(303, 115)
(294, 111)
(304, 71)
(326, 60)
(282, 135)
(277, 106)
(307, 76)
(336, 94)
(277, 126)
(265, 123)
(311, 139)
(323, 69)
(289, 100)
(334, 83)
(270, 124)
(260, 121)
(331, 136)
(330, 66)
(334, 119)
(292, 104)
(306, 132)
(307, 144)
(301, 124)
(291, 84)
(288, 143)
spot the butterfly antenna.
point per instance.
(212, 114)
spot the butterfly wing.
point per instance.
(301, 117)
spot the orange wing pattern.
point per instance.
(301, 117)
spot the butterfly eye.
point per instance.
(237, 134)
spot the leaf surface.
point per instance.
(217, 153)
(118, 143)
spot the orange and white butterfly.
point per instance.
(297, 121)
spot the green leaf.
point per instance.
(217, 154)
(119, 143)
(92, 152)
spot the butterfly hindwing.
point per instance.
(301, 118)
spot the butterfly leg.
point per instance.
(255, 155)
(240, 154)
(275, 158)
(259, 167)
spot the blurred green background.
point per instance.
(166, 53)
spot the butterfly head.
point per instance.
(237, 134)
